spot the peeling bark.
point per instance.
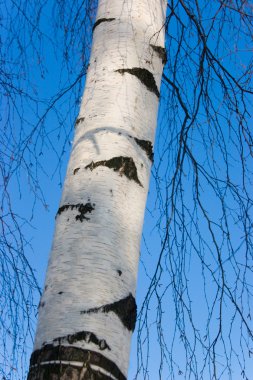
(100, 20)
(161, 52)
(123, 165)
(83, 209)
(125, 309)
(145, 76)
(58, 364)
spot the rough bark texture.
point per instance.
(87, 311)
(66, 362)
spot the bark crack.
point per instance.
(145, 76)
(83, 209)
(125, 309)
(123, 165)
(86, 336)
(76, 170)
(100, 20)
(161, 52)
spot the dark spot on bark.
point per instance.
(100, 20)
(83, 209)
(147, 147)
(41, 304)
(123, 165)
(83, 336)
(125, 309)
(60, 292)
(46, 287)
(161, 52)
(119, 272)
(80, 120)
(51, 371)
(76, 170)
(145, 76)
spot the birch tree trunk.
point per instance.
(87, 312)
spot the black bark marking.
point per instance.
(161, 52)
(83, 209)
(60, 292)
(125, 309)
(145, 76)
(147, 147)
(75, 170)
(123, 165)
(41, 304)
(79, 120)
(86, 336)
(58, 371)
(94, 374)
(100, 20)
(119, 272)
(50, 353)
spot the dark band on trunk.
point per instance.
(52, 371)
(50, 353)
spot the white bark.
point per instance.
(95, 253)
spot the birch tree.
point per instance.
(197, 309)
(88, 310)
